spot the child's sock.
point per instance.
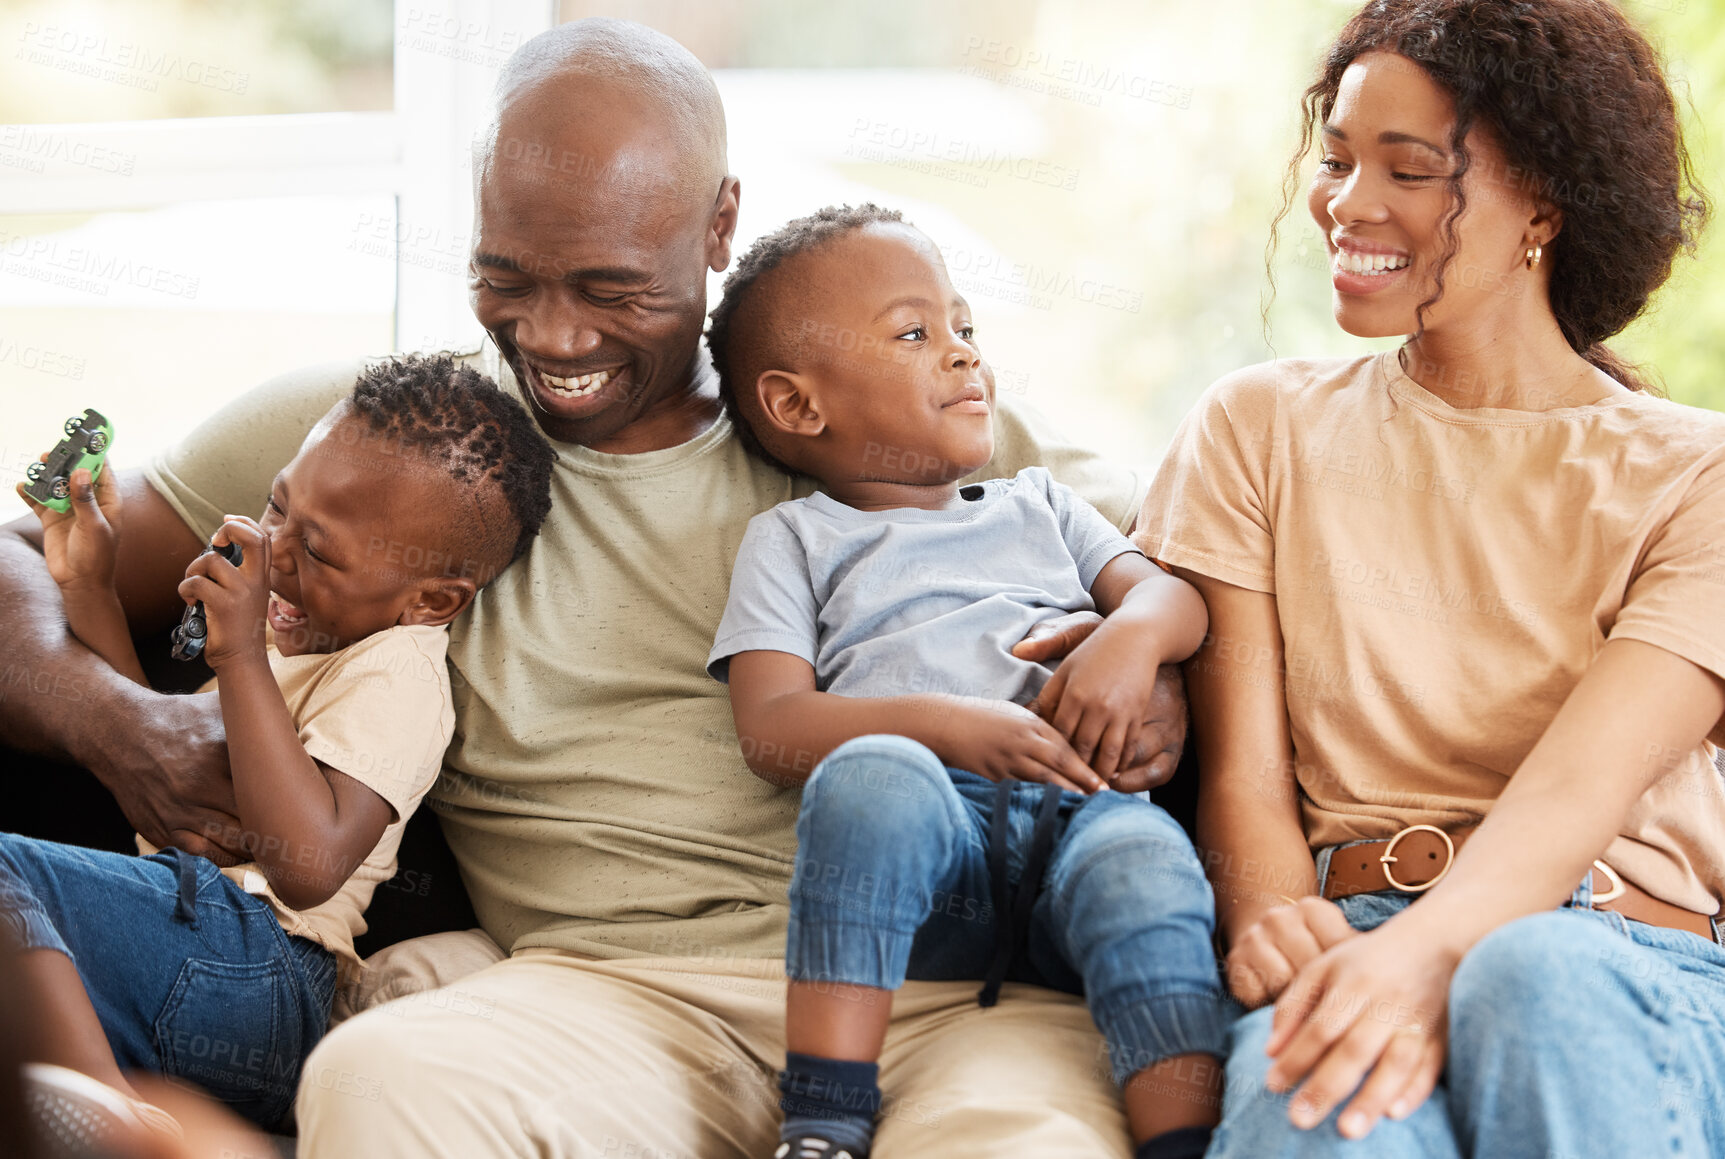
(831, 1097)
(1185, 1143)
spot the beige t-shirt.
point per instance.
(379, 710)
(1444, 577)
(595, 795)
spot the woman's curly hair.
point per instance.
(1577, 100)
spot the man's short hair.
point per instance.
(747, 336)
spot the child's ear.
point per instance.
(788, 401)
(438, 601)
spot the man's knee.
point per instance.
(350, 1071)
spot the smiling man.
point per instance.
(596, 797)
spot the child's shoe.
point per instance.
(815, 1147)
(74, 1116)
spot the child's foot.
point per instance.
(74, 1116)
(1183, 1143)
(816, 1147)
(829, 1107)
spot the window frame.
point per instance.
(419, 153)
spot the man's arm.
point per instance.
(1023, 438)
(80, 548)
(163, 757)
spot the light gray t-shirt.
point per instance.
(886, 603)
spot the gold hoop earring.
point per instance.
(1534, 253)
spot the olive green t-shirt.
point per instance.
(594, 794)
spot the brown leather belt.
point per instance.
(1419, 856)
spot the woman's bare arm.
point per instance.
(1560, 810)
(1248, 798)
(1570, 796)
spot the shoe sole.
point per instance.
(75, 1116)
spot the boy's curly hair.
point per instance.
(736, 345)
(461, 421)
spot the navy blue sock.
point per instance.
(1185, 1143)
(830, 1097)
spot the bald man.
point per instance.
(611, 837)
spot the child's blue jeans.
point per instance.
(892, 881)
(192, 977)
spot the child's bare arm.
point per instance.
(1099, 696)
(786, 727)
(307, 825)
(79, 548)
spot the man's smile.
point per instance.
(576, 386)
(551, 388)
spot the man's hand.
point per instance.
(1004, 741)
(172, 781)
(1161, 738)
(235, 599)
(80, 545)
(1055, 639)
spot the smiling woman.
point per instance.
(1419, 135)
(1415, 694)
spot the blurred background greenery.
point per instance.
(1101, 173)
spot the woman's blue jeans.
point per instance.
(192, 977)
(892, 881)
(1573, 1034)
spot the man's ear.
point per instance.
(788, 401)
(723, 228)
(438, 601)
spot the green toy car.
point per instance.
(85, 445)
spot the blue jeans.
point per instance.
(891, 881)
(192, 977)
(1573, 1034)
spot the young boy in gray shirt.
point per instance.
(868, 643)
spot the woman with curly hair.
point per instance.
(1466, 670)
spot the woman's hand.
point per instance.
(235, 599)
(1266, 957)
(79, 545)
(1371, 1008)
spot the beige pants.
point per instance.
(550, 1054)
